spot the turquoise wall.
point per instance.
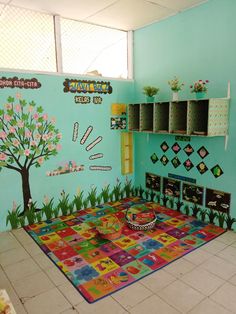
(196, 44)
(61, 105)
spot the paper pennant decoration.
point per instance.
(176, 162)
(164, 160)
(164, 146)
(217, 171)
(203, 152)
(188, 149)
(202, 168)
(188, 164)
(176, 148)
(154, 158)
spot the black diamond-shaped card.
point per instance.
(154, 158)
(188, 149)
(176, 148)
(164, 146)
(176, 162)
(201, 167)
(203, 152)
(188, 164)
(164, 160)
(217, 171)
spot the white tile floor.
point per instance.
(202, 282)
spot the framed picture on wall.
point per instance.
(218, 200)
(153, 182)
(171, 187)
(193, 193)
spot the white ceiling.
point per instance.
(120, 14)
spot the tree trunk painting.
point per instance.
(25, 188)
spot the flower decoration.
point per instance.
(175, 84)
(199, 86)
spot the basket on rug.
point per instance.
(109, 227)
(138, 220)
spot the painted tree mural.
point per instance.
(27, 138)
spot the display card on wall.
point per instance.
(171, 187)
(176, 148)
(217, 171)
(188, 149)
(176, 162)
(202, 168)
(164, 160)
(154, 158)
(193, 193)
(218, 200)
(188, 164)
(118, 109)
(118, 123)
(164, 146)
(153, 182)
(203, 152)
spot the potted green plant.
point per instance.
(150, 92)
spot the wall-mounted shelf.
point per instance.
(205, 117)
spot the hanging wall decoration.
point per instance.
(203, 152)
(178, 177)
(164, 146)
(164, 160)
(202, 168)
(183, 138)
(86, 86)
(75, 132)
(82, 99)
(176, 148)
(217, 171)
(97, 100)
(154, 158)
(171, 187)
(218, 200)
(86, 135)
(96, 156)
(28, 138)
(66, 167)
(118, 109)
(153, 182)
(192, 193)
(118, 123)
(16, 82)
(101, 168)
(188, 164)
(176, 162)
(94, 143)
(188, 149)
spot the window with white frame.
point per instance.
(27, 42)
(88, 48)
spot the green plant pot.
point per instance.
(200, 95)
(150, 99)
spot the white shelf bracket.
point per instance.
(226, 141)
(228, 90)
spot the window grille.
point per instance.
(26, 40)
(93, 49)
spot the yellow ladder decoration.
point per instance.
(126, 153)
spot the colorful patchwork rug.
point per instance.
(98, 267)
